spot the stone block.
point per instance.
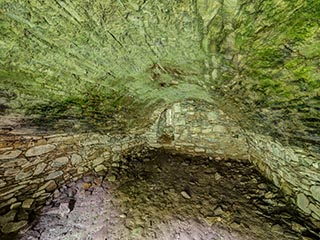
(6, 197)
(22, 175)
(315, 191)
(54, 175)
(199, 150)
(97, 161)
(27, 203)
(13, 226)
(10, 154)
(75, 159)
(15, 205)
(39, 150)
(14, 163)
(8, 217)
(2, 183)
(38, 194)
(303, 203)
(39, 168)
(12, 190)
(11, 172)
(315, 209)
(9, 202)
(100, 168)
(59, 162)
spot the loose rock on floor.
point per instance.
(164, 196)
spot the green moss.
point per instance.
(111, 63)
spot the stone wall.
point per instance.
(295, 171)
(32, 167)
(198, 128)
(195, 128)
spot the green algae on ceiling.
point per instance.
(267, 56)
(114, 62)
(100, 58)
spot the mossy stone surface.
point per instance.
(110, 64)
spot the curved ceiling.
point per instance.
(111, 63)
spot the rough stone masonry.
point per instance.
(32, 167)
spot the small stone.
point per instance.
(13, 226)
(316, 217)
(199, 150)
(49, 186)
(98, 161)
(15, 205)
(12, 190)
(22, 175)
(8, 217)
(315, 209)
(306, 238)
(217, 176)
(2, 183)
(11, 172)
(315, 191)
(212, 220)
(303, 203)
(39, 169)
(56, 193)
(185, 195)
(86, 186)
(298, 227)
(76, 159)
(39, 150)
(263, 186)
(112, 178)
(277, 228)
(27, 203)
(54, 175)
(10, 154)
(59, 162)
(81, 170)
(64, 209)
(100, 168)
(136, 232)
(38, 194)
(270, 195)
(9, 202)
(14, 163)
(218, 211)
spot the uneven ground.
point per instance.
(168, 197)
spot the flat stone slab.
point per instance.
(10, 154)
(13, 226)
(315, 190)
(39, 150)
(54, 175)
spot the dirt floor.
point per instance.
(167, 196)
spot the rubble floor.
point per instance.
(169, 196)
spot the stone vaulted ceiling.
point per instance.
(111, 63)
